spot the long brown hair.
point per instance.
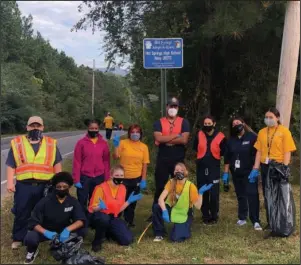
(247, 128)
(174, 184)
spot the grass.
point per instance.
(224, 243)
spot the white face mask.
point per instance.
(172, 112)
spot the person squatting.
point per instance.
(107, 196)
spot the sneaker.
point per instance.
(131, 225)
(96, 248)
(30, 257)
(16, 245)
(158, 239)
(241, 222)
(257, 227)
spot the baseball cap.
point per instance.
(173, 101)
(35, 119)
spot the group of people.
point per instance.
(107, 196)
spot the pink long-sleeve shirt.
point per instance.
(91, 159)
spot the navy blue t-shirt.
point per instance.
(241, 149)
(10, 161)
(55, 216)
(172, 152)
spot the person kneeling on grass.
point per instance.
(106, 205)
(58, 213)
(181, 195)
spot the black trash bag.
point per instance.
(70, 252)
(84, 257)
(279, 201)
(65, 250)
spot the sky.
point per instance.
(54, 20)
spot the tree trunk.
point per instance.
(288, 61)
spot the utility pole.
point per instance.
(92, 105)
(288, 61)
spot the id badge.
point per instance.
(237, 163)
(267, 160)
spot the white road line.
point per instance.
(56, 139)
(64, 155)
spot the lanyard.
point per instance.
(171, 126)
(270, 142)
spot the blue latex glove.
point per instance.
(143, 184)
(225, 178)
(78, 185)
(50, 235)
(253, 175)
(165, 216)
(102, 205)
(116, 140)
(204, 188)
(134, 198)
(64, 235)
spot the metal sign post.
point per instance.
(163, 53)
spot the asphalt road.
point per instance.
(66, 144)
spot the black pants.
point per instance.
(164, 169)
(264, 174)
(34, 238)
(108, 133)
(85, 193)
(247, 197)
(26, 197)
(113, 227)
(131, 185)
(210, 206)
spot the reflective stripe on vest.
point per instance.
(169, 128)
(179, 212)
(214, 146)
(30, 165)
(113, 204)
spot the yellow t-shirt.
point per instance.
(98, 194)
(132, 157)
(108, 121)
(194, 194)
(94, 140)
(282, 143)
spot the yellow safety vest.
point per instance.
(30, 165)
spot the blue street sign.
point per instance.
(162, 53)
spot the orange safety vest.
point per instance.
(214, 147)
(30, 165)
(113, 204)
(170, 128)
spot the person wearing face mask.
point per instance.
(175, 205)
(57, 214)
(171, 135)
(134, 157)
(239, 159)
(91, 163)
(33, 159)
(107, 203)
(210, 145)
(274, 143)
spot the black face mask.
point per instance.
(237, 129)
(117, 181)
(208, 128)
(35, 135)
(62, 193)
(93, 134)
(179, 175)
